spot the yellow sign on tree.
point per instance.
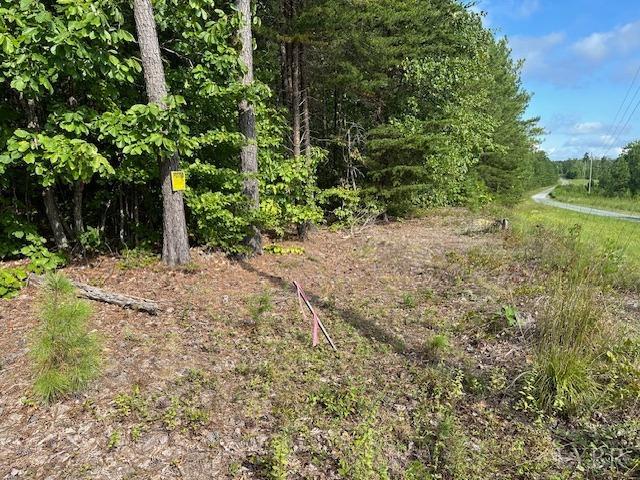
(178, 181)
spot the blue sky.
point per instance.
(581, 58)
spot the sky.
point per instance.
(581, 58)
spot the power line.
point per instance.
(633, 82)
(617, 130)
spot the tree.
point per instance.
(631, 156)
(175, 248)
(247, 124)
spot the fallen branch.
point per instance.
(99, 295)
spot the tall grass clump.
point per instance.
(574, 332)
(66, 355)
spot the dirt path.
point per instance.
(545, 199)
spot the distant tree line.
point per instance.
(611, 177)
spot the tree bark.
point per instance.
(48, 194)
(306, 119)
(175, 248)
(53, 214)
(295, 80)
(247, 125)
(284, 94)
(78, 223)
(121, 216)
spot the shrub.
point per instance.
(21, 239)
(66, 355)
(11, 281)
(349, 207)
(91, 240)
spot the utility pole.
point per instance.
(590, 172)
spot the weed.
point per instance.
(474, 384)
(234, 469)
(564, 381)
(28, 402)
(193, 417)
(258, 305)
(339, 402)
(417, 471)
(136, 258)
(136, 432)
(449, 449)
(511, 315)
(170, 418)
(621, 373)
(363, 459)
(114, 440)
(485, 259)
(408, 301)
(134, 403)
(507, 317)
(191, 268)
(498, 380)
(198, 378)
(280, 452)
(66, 355)
(528, 401)
(11, 281)
(275, 249)
(428, 294)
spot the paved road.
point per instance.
(543, 198)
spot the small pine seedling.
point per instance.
(437, 345)
(65, 354)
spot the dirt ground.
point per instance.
(208, 387)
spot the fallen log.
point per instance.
(99, 295)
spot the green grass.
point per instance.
(578, 195)
(582, 257)
(557, 237)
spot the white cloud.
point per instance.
(597, 145)
(600, 46)
(528, 8)
(536, 51)
(587, 128)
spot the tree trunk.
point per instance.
(48, 194)
(136, 217)
(175, 248)
(247, 125)
(121, 217)
(78, 224)
(306, 120)
(295, 80)
(53, 214)
(284, 93)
